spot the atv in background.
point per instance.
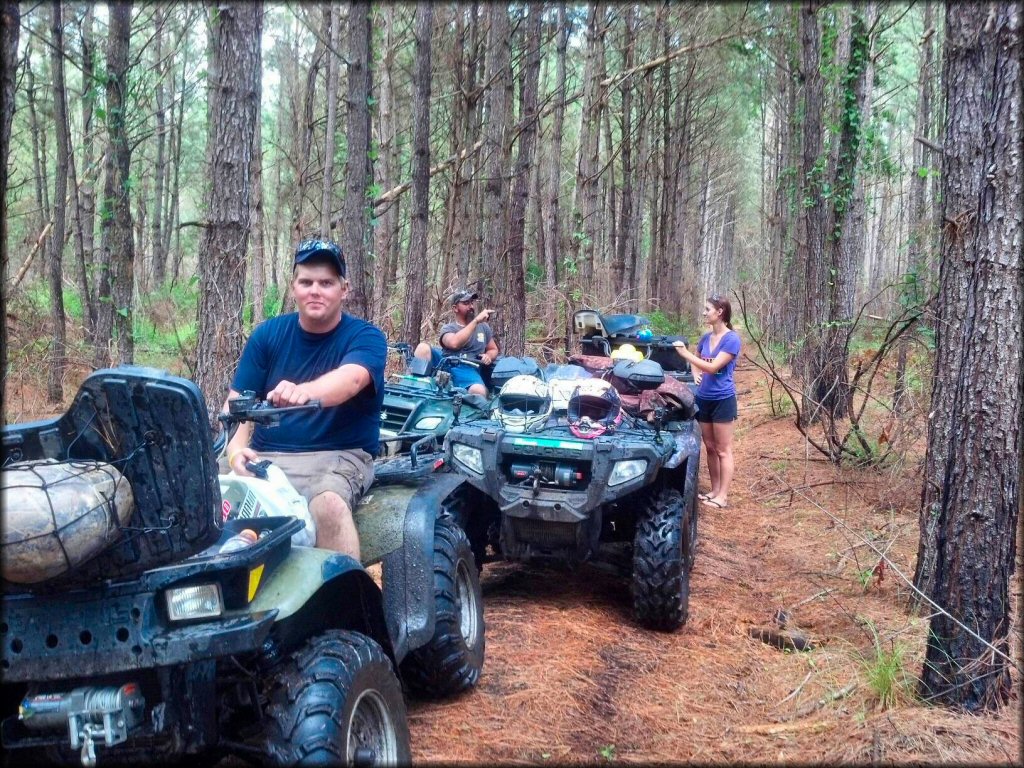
(603, 334)
(157, 644)
(627, 497)
(421, 402)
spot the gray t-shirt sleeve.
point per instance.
(477, 344)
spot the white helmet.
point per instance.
(594, 408)
(524, 404)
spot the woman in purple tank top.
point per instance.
(713, 368)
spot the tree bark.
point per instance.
(159, 257)
(233, 109)
(355, 236)
(87, 195)
(587, 174)
(826, 380)
(624, 236)
(258, 262)
(496, 155)
(10, 19)
(513, 298)
(971, 496)
(811, 234)
(416, 260)
(122, 243)
(333, 18)
(55, 262)
(552, 211)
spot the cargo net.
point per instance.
(59, 514)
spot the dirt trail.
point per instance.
(570, 679)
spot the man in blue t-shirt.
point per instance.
(469, 334)
(317, 353)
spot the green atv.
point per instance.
(127, 635)
(420, 402)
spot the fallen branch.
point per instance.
(797, 689)
(784, 640)
(828, 698)
(770, 728)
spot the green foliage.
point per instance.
(885, 669)
(607, 752)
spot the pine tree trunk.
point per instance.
(512, 300)
(160, 169)
(416, 260)
(811, 234)
(87, 195)
(332, 20)
(233, 99)
(58, 352)
(10, 19)
(355, 230)
(552, 211)
(121, 241)
(258, 261)
(970, 502)
(496, 153)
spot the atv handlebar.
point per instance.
(248, 407)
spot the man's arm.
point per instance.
(333, 388)
(455, 340)
(491, 353)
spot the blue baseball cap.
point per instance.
(321, 251)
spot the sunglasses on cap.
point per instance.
(307, 250)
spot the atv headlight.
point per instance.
(202, 601)
(624, 471)
(469, 457)
(428, 423)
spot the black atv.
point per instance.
(628, 497)
(603, 334)
(129, 636)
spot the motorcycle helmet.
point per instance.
(594, 409)
(524, 404)
(627, 352)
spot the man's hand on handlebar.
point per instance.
(288, 393)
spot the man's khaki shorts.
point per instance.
(347, 473)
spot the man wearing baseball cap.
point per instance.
(469, 334)
(317, 353)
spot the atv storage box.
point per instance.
(152, 428)
(603, 334)
(507, 367)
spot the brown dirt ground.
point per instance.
(569, 678)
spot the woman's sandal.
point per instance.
(703, 496)
(715, 503)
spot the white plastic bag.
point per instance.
(245, 497)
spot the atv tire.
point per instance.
(691, 530)
(452, 660)
(661, 576)
(333, 701)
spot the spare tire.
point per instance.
(58, 515)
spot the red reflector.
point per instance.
(579, 475)
(438, 463)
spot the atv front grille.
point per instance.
(394, 417)
(543, 533)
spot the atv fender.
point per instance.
(409, 571)
(313, 590)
